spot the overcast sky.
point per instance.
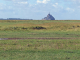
(38, 9)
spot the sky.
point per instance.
(38, 9)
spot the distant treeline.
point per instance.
(15, 19)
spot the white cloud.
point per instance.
(70, 9)
(22, 2)
(44, 1)
(15, 0)
(55, 5)
(74, 0)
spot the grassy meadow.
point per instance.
(40, 49)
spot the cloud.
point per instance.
(75, 0)
(15, 0)
(44, 1)
(22, 2)
(55, 5)
(70, 9)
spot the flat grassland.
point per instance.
(40, 40)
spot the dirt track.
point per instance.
(32, 38)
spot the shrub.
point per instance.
(39, 27)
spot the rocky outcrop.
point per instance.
(49, 17)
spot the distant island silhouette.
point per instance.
(49, 17)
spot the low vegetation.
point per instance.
(40, 49)
(40, 25)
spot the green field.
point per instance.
(61, 48)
